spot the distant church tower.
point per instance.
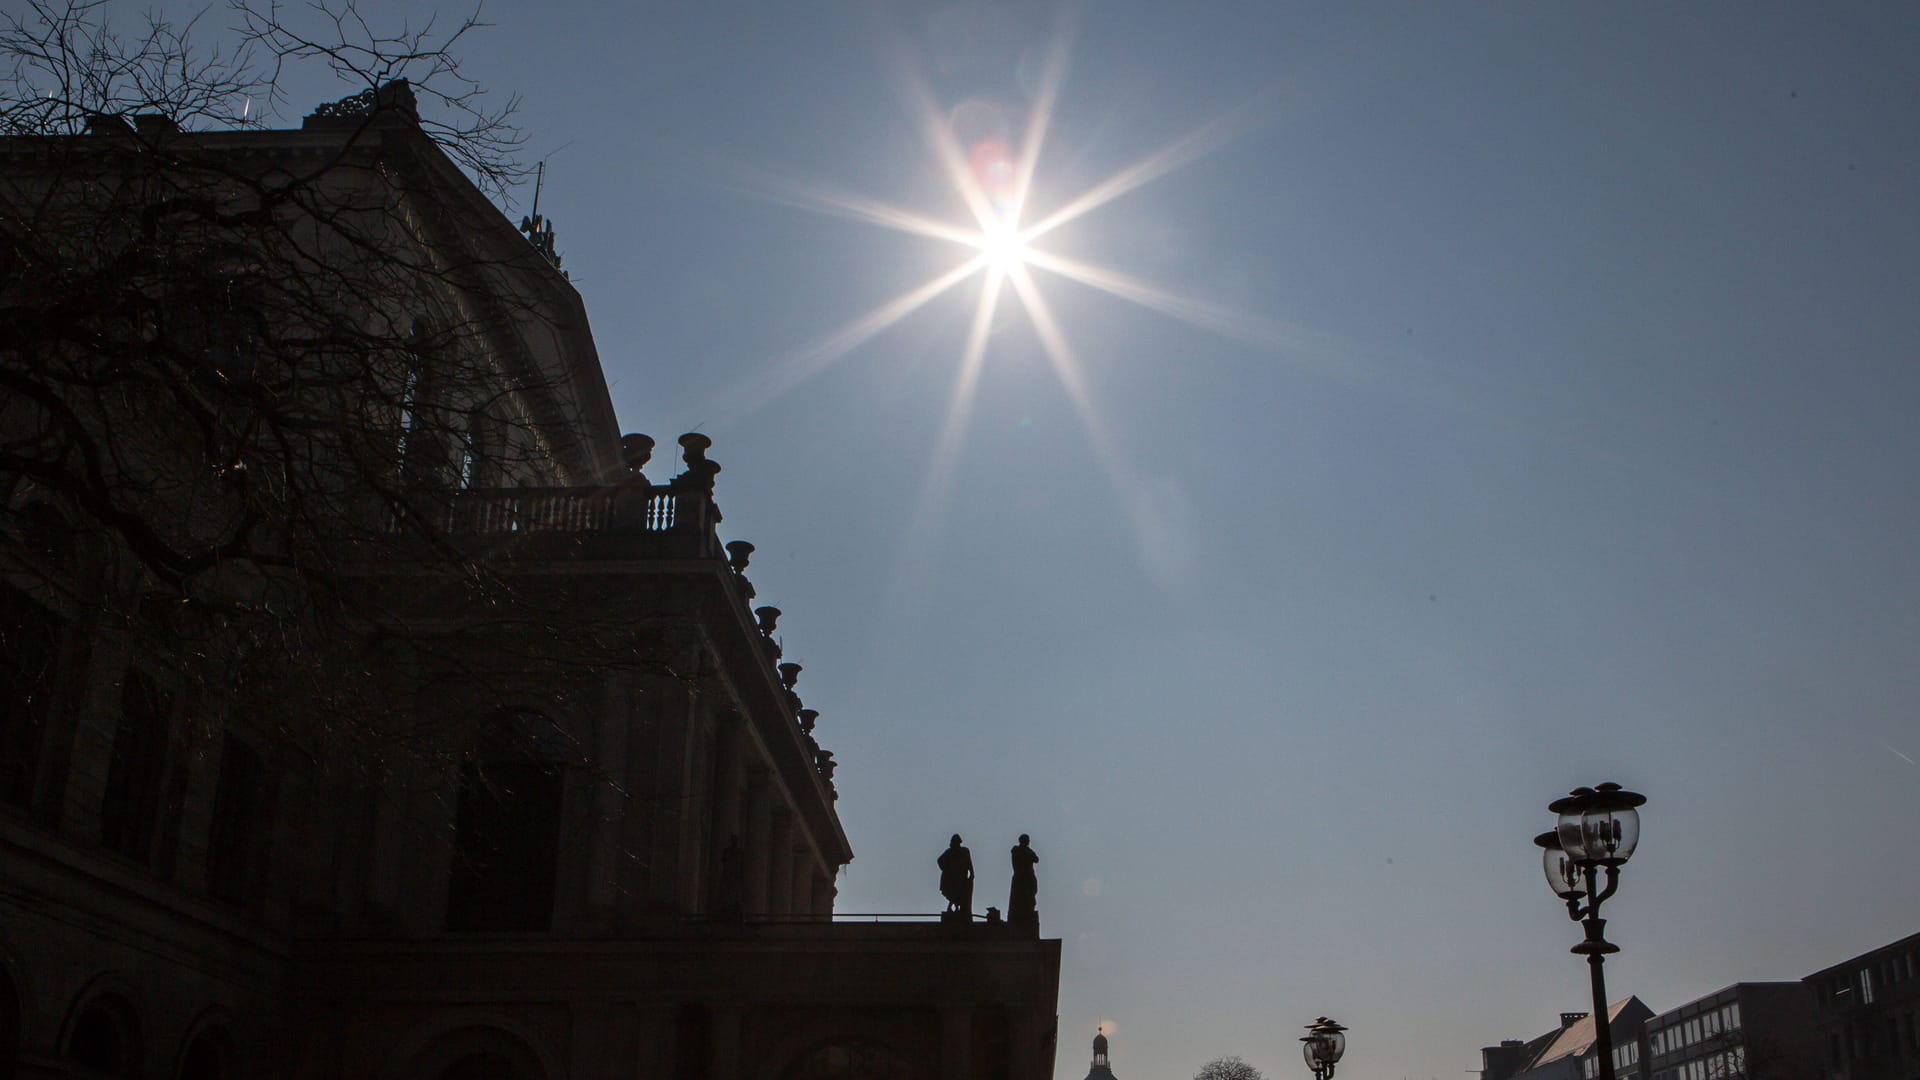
(1099, 1070)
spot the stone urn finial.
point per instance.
(768, 616)
(738, 552)
(789, 674)
(635, 451)
(809, 717)
(694, 447)
(700, 471)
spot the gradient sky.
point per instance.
(1551, 420)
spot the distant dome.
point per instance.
(1100, 1069)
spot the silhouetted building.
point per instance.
(1856, 1020)
(1099, 1069)
(617, 861)
(1505, 1061)
(1569, 1052)
(1867, 1014)
(1760, 1031)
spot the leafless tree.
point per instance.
(230, 382)
(1227, 1068)
(71, 63)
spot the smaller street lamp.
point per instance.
(1595, 832)
(1322, 1046)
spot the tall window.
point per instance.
(507, 827)
(237, 809)
(29, 635)
(130, 806)
(466, 451)
(408, 408)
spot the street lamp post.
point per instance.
(1322, 1046)
(1597, 831)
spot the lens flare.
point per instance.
(991, 163)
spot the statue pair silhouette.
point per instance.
(956, 883)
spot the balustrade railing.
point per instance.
(511, 511)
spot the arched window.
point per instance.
(209, 1057)
(104, 1040)
(507, 827)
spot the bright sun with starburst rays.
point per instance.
(1001, 245)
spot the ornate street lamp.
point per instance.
(1322, 1046)
(1597, 831)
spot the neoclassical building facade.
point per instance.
(560, 812)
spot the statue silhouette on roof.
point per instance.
(956, 880)
(1021, 904)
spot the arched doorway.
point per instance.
(487, 1050)
(483, 1066)
(104, 1038)
(10, 1024)
(851, 1059)
(210, 1056)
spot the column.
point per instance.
(609, 782)
(802, 894)
(669, 802)
(588, 1052)
(727, 805)
(956, 1042)
(696, 846)
(724, 1038)
(633, 873)
(1028, 1059)
(758, 841)
(823, 895)
(654, 1030)
(780, 873)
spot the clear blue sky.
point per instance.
(1565, 432)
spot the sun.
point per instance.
(1006, 236)
(1003, 247)
(1002, 243)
